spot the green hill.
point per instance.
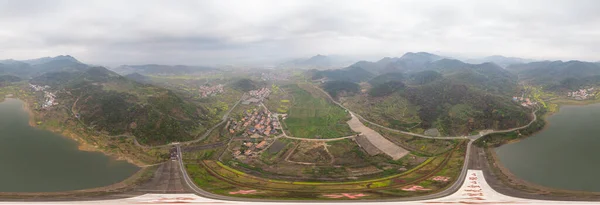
(453, 96)
(245, 85)
(350, 74)
(113, 104)
(7, 79)
(336, 88)
(557, 74)
(37, 67)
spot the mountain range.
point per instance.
(318, 62)
(36, 67)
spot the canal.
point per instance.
(564, 155)
(34, 160)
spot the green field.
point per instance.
(314, 117)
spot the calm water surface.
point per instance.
(34, 160)
(564, 155)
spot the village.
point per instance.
(256, 129)
(581, 94)
(49, 98)
(257, 96)
(206, 91)
(525, 102)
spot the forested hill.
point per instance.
(453, 96)
(116, 105)
(556, 75)
(36, 67)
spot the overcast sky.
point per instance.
(231, 32)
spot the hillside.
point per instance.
(350, 74)
(36, 67)
(502, 61)
(245, 85)
(557, 74)
(452, 96)
(138, 78)
(336, 88)
(7, 79)
(113, 104)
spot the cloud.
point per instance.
(207, 32)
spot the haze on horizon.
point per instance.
(259, 32)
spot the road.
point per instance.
(452, 189)
(223, 120)
(481, 134)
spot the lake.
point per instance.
(565, 155)
(35, 160)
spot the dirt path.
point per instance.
(377, 139)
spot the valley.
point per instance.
(403, 130)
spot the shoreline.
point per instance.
(514, 182)
(82, 145)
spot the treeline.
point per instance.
(335, 88)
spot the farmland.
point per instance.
(221, 178)
(311, 116)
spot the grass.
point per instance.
(311, 116)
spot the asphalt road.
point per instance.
(481, 134)
(453, 188)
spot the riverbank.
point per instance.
(519, 187)
(82, 142)
(105, 192)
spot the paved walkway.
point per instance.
(474, 190)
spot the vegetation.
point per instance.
(245, 85)
(336, 88)
(113, 104)
(386, 88)
(7, 79)
(495, 140)
(351, 74)
(221, 178)
(388, 77)
(314, 117)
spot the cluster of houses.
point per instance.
(525, 102)
(581, 94)
(257, 96)
(255, 123)
(49, 98)
(273, 76)
(206, 91)
(249, 148)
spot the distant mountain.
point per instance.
(318, 62)
(409, 62)
(7, 79)
(154, 69)
(138, 78)
(115, 105)
(350, 74)
(49, 59)
(246, 85)
(500, 60)
(427, 92)
(36, 67)
(555, 73)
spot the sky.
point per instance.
(114, 32)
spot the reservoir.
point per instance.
(565, 155)
(35, 160)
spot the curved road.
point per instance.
(481, 133)
(223, 120)
(453, 188)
